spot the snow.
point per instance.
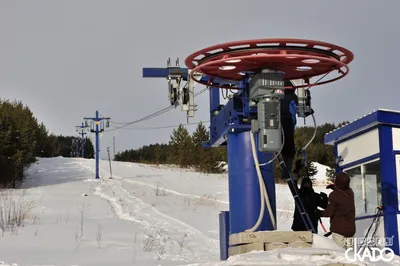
(145, 215)
(321, 176)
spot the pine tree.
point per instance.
(330, 174)
(181, 143)
(205, 158)
(89, 149)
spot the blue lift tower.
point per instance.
(75, 141)
(97, 126)
(82, 133)
(257, 72)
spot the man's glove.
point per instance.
(330, 186)
(318, 213)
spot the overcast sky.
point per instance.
(67, 59)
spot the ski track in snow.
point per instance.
(148, 216)
(177, 193)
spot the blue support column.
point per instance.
(97, 146)
(214, 104)
(244, 190)
(389, 186)
(214, 100)
(224, 234)
(83, 141)
(97, 130)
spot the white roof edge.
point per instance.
(389, 110)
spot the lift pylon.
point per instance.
(259, 71)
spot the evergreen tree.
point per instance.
(182, 146)
(206, 159)
(89, 148)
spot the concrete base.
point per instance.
(268, 240)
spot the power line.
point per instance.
(164, 110)
(159, 112)
(171, 126)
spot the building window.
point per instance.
(356, 184)
(372, 186)
(365, 180)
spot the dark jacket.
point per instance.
(288, 110)
(341, 208)
(311, 201)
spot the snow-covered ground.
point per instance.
(321, 175)
(145, 215)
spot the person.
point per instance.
(311, 201)
(342, 211)
(288, 110)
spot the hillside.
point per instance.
(145, 215)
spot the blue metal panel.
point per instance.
(226, 120)
(244, 190)
(214, 108)
(162, 72)
(378, 117)
(389, 186)
(388, 117)
(356, 125)
(224, 234)
(215, 100)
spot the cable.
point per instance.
(159, 112)
(315, 133)
(164, 110)
(171, 126)
(263, 190)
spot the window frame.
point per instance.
(363, 186)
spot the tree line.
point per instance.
(185, 150)
(23, 139)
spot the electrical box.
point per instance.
(267, 89)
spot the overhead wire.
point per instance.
(170, 126)
(162, 111)
(159, 112)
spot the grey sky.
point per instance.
(65, 59)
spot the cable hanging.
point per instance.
(170, 126)
(159, 112)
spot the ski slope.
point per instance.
(145, 215)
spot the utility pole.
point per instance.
(113, 146)
(114, 143)
(82, 133)
(75, 141)
(109, 160)
(97, 126)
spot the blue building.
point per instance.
(368, 150)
